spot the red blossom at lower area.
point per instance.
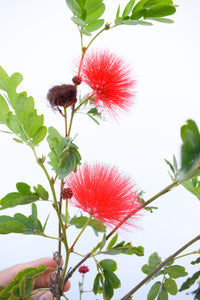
(83, 269)
(104, 193)
(110, 79)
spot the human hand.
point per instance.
(42, 282)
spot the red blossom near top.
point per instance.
(110, 79)
(104, 193)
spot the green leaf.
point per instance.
(150, 3)
(163, 295)
(171, 286)
(128, 8)
(4, 109)
(34, 214)
(20, 224)
(113, 278)
(108, 264)
(13, 82)
(39, 135)
(23, 196)
(33, 122)
(23, 106)
(154, 291)
(138, 13)
(197, 261)
(193, 189)
(40, 190)
(79, 21)
(129, 22)
(22, 284)
(74, 7)
(95, 12)
(56, 143)
(189, 282)
(162, 20)
(160, 10)
(190, 150)
(96, 283)
(69, 160)
(94, 25)
(14, 199)
(3, 79)
(79, 222)
(112, 242)
(127, 249)
(108, 289)
(85, 32)
(145, 23)
(154, 260)
(176, 271)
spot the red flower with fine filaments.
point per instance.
(110, 79)
(104, 193)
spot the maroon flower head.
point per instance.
(104, 193)
(66, 193)
(110, 79)
(83, 269)
(62, 95)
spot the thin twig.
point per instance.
(165, 262)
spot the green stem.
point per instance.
(80, 233)
(65, 114)
(165, 262)
(50, 237)
(71, 120)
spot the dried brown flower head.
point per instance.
(62, 95)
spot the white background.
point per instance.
(39, 40)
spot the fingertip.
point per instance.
(67, 286)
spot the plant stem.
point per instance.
(71, 120)
(165, 262)
(65, 114)
(80, 233)
(162, 192)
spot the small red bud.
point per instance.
(77, 80)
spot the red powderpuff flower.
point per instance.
(110, 79)
(104, 193)
(83, 269)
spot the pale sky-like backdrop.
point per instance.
(39, 40)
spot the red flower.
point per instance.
(110, 79)
(104, 193)
(83, 269)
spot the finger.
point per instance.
(43, 296)
(7, 275)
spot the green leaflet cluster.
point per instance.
(95, 224)
(106, 280)
(190, 159)
(23, 196)
(87, 14)
(192, 280)
(64, 155)
(169, 273)
(22, 284)
(17, 111)
(22, 224)
(154, 10)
